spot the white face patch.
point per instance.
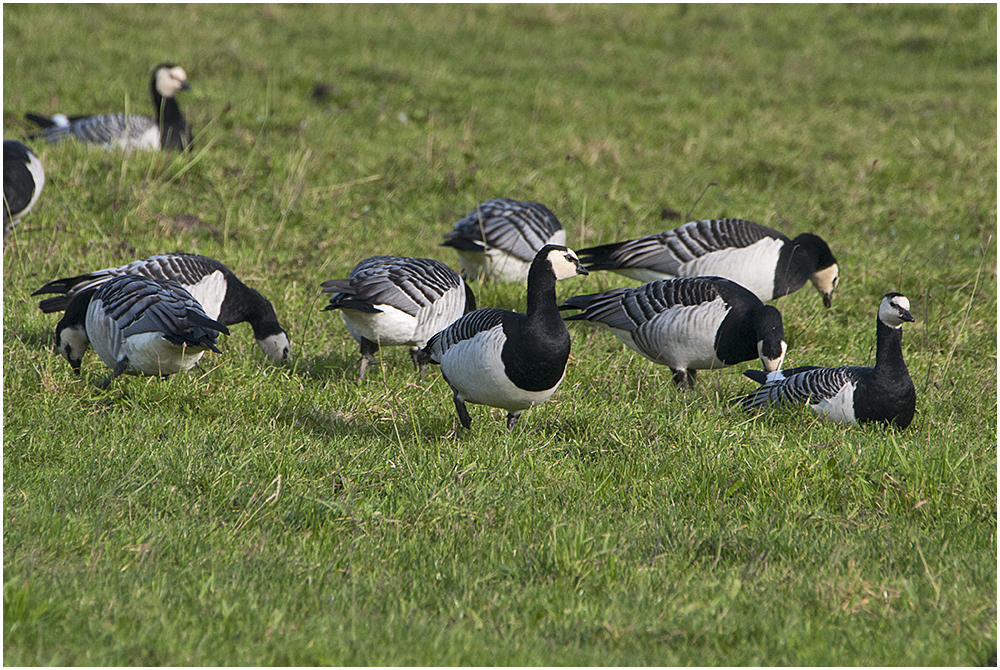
(771, 364)
(72, 343)
(170, 80)
(826, 280)
(890, 309)
(564, 263)
(276, 346)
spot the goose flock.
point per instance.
(702, 306)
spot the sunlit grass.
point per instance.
(250, 513)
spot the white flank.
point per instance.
(839, 408)
(439, 315)
(150, 354)
(38, 174)
(391, 327)
(475, 369)
(752, 267)
(681, 337)
(210, 292)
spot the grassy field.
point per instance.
(253, 513)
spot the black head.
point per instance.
(770, 332)
(826, 275)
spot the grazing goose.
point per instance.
(168, 129)
(694, 323)
(395, 300)
(220, 292)
(504, 359)
(499, 239)
(23, 179)
(882, 394)
(145, 326)
(760, 258)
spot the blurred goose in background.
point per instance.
(216, 288)
(500, 238)
(23, 179)
(168, 129)
(396, 301)
(689, 324)
(849, 394)
(760, 258)
(505, 359)
(145, 326)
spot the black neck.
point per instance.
(243, 303)
(541, 288)
(174, 133)
(888, 347)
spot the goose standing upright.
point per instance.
(396, 300)
(499, 239)
(168, 129)
(694, 323)
(760, 258)
(505, 359)
(150, 327)
(216, 288)
(23, 179)
(850, 394)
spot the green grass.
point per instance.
(259, 514)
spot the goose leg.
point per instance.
(120, 368)
(684, 379)
(415, 354)
(512, 418)
(463, 413)
(368, 349)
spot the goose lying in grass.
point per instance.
(851, 394)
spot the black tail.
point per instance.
(599, 258)
(39, 120)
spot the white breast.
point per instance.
(210, 292)
(475, 369)
(839, 408)
(752, 267)
(149, 140)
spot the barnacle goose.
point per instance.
(220, 292)
(23, 179)
(689, 324)
(145, 326)
(499, 239)
(882, 394)
(168, 129)
(396, 300)
(762, 259)
(505, 359)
